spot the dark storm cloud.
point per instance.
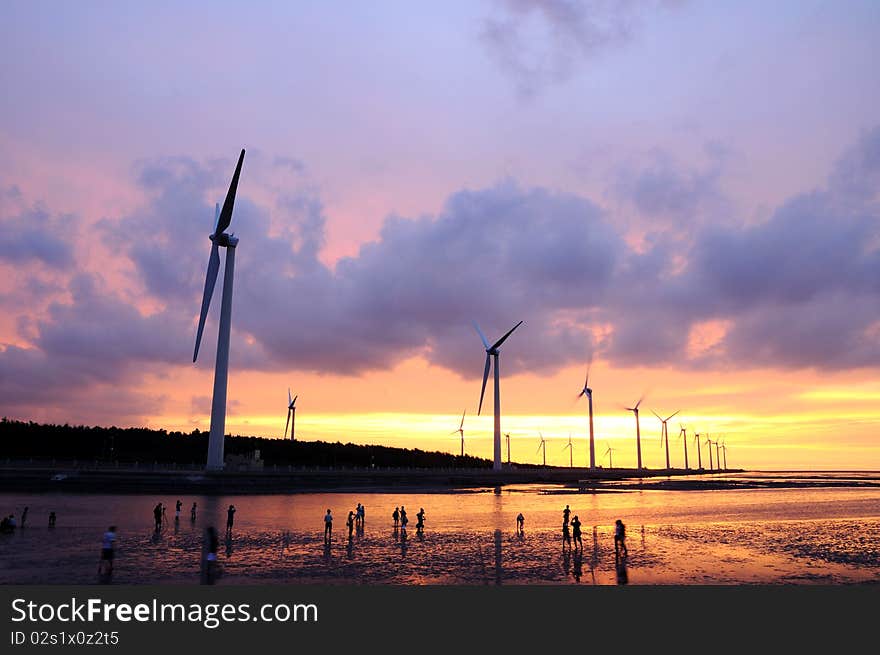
(542, 42)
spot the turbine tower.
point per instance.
(718, 453)
(589, 394)
(724, 450)
(542, 446)
(570, 452)
(492, 359)
(221, 368)
(664, 432)
(460, 431)
(683, 435)
(609, 452)
(291, 416)
(635, 410)
(709, 443)
(699, 452)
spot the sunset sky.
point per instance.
(686, 193)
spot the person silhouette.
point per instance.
(520, 522)
(395, 515)
(576, 533)
(52, 519)
(230, 518)
(177, 511)
(566, 536)
(350, 523)
(565, 514)
(157, 516)
(328, 527)
(403, 519)
(620, 539)
(192, 513)
(105, 566)
(420, 520)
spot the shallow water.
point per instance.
(741, 536)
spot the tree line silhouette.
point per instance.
(45, 442)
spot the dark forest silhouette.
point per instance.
(29, 440)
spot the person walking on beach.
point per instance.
(157, 516)
(576, 533)
(520, 522)
(396, 516)
(105, 566)
(350, 523)
(24, 516)
(328, 527)
(566, 536)
(230, 518)
(619, 538)
(192, 513)
(177, 511)
(420, 520)
(51, 519)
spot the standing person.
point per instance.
(350, 523)
(164, 518)
(105, 566)
(361, 514)
(576, 533)
(177, 511)
(403, 519)
(420, 520)
(520, 522)
(24, 516)
(619, 538)
(396, 516)
(565, 514)
(157, 515)
(328, 527)
(230, 518)
(566, 536)
(51, 519)
(192, 513)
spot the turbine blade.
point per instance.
(587, 380)
(294, 400)
(640, 401)
(539, 448)
(210, 281)
(287, 424)
(655, 414)
(485, 377)
(289, 399)
(482, 336)
(462, 419)
(671, 415)
(216, 215)
(226, 213)
(498, 343)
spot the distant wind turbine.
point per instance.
(291, 416)
(460, 431)
(718, 454)
(683, 435)
(724, 450)
(221, 367)
(664, 432)
(709, 443)
(699, 455)
(589, 394)
(542, 446)
(609, 452)
(492, 358)
(570, 452)
(635, 410)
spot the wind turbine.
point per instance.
(664, 432)
(221, 368)
(718, 454)
(492, 352)
(683, 435)
(608, 452)
(635, 410)
(542, 446)
(589, 394)
(709, 443)
(570, 452)
(291, 414)
(461, 431)
(724, 450)
(699, 452)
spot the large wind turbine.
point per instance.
(221, 369)
(699, 451)
(542, 446)
(461, 431)
(570, 452)
(683, 435)
(291, 416)
(492, 354)
(635, 410)
(589, 394)
(664, 432)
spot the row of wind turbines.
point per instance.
(215, 461)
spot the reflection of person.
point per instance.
(107, 542)
(566, 536)
(520, 521)
(619, 538)
(328, 526)
(209, 562)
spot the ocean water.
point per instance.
(804, 534)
